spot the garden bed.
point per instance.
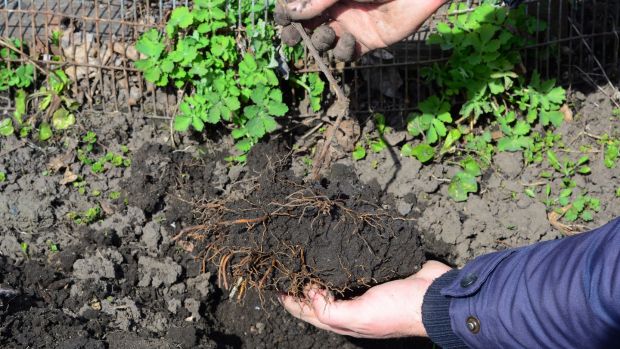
(135, 273)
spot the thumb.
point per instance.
(331, 312)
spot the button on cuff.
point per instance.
(473, 324)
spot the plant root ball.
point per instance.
(345, 48)
(323, 38)
(280, 16)
(290, 36)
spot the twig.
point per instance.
(341, 100)
(11, 47)
(600, 66)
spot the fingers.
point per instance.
(432, 270)
(323, 311)
(306, 9)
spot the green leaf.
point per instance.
(260, 125)
(45, 131)
(587, 216)
(181, 17)
(453, 136)
(423, 152)
(461, 185)
(6, 127)
(521, 128)
(530, 192)
(443, 28)
(150, 44)
(514, 143)
(182, 123)
(554, 117)
(557, 95)
(584, 170)
(62, 119)
(553, 160)
(359, 153)
(571, 214)
(471, 166)
(277, 108)
(378, 145)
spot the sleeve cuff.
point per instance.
(436, 313)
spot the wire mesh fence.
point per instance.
(581, 43)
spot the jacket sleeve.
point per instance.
(556, 294)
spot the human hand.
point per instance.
(364, 25)
(392, 309)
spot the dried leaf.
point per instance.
(566, 229)
(69, 177)
(568, 113)
(186, 245)
(59, 162)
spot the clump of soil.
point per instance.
(284, 233)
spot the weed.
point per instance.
(583, 207)
(483, 68)
(2, 176)
(114, 195)
(359, 152)
(24, 247)
(228, 76)
(376, 143)
(568, 168)
(464, 181)
(52, 246)
(89, 216)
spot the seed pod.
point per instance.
(323, 38)
(345, 48)
(290, 36)
(280, 16)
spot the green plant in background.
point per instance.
(482, 84)
(14, 75)
(56, 107)
(228, 78)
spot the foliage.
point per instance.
(228, 76)
(56, 107)
(86, 217)
(88, 154)
(2, 176)
(13, 75)
(583, 207)
(482, 83)
(567, 167)
(375, 143)
(464, 182)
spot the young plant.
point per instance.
(567, 167)
(480, 81)
(583, 207)
(228, 76)
(465, 182)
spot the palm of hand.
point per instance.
(393, 309)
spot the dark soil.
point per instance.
(124, 282)
(284, 233)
